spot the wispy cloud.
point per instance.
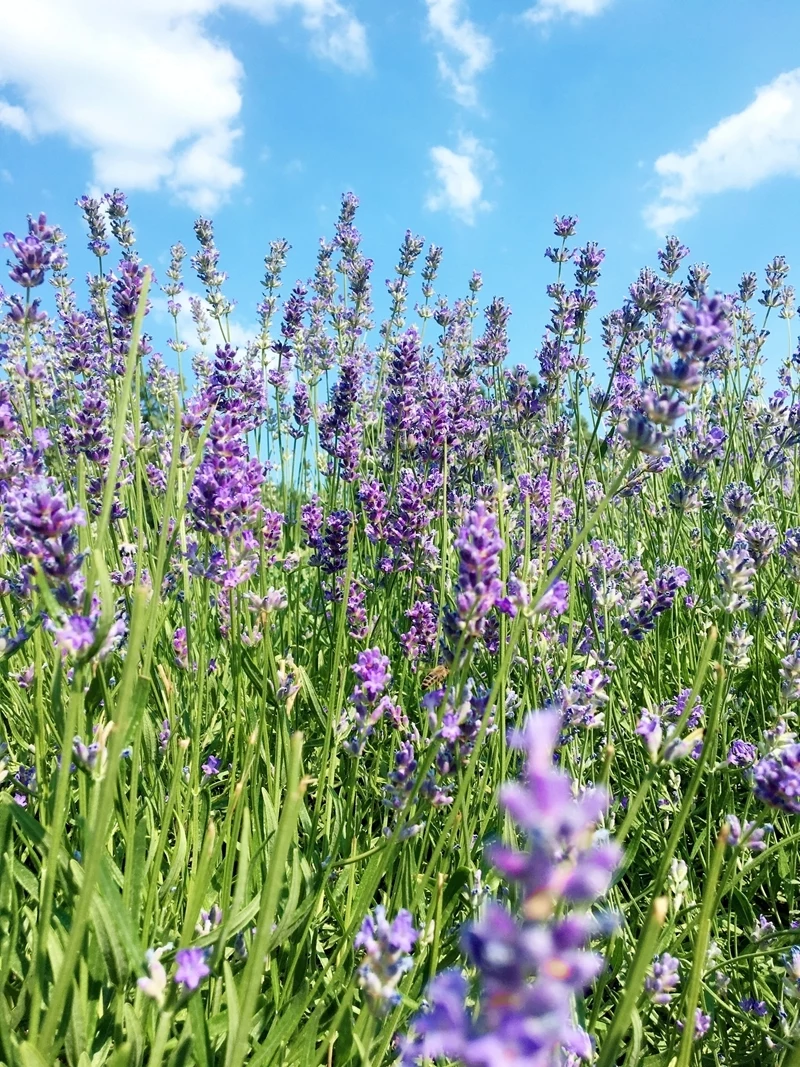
(465, 52)
(241, 333)
(550, 10)
(14, 118)
(145, 88)
(336, 35)
(459, 181)
(740, 152)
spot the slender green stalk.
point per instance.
(700, 950)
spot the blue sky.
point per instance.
(469, 121)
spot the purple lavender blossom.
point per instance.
(301, 410)
(742, 753)
(735, 572)
(643, 435)
(565, 225)
(479, 586)
(212, 766)
(372, 671)
(92, 211)
(554, 601)
(226, 494)
(34, 254)
(663, 979)
(127, 289)
(531, 968)
(789, 671)
(776, 779)
(272, 529)
(544, 806)
(458, 723)
(670, 257)
(331, 555)
(651, 730)
(235, 388)
(25, 777)
(791, 964)
(192, 967)
(117, 208)
(402, 414)
(42, 526)
(388, 947)
(761, 538)
(374, 676)
(419, 640)
(588, 260)
(681, 374)
(402, 777)
(663, 408)
(751, 1006)
(180, 645)
(738, 499)
(164, 735)
(702, 1024)
(75, 635)
(86, 756)
(580, 703)
(752, 836)
(311, 518)
(763, 929)
(491, 349)
(705, 328)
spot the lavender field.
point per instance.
(368, 698)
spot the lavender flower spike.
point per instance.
(776, 779)
(479, 587)
(531, 968)
(388, 947)
(664, 979)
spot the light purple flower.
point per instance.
(663, 979)
(742, 754)
(75, 635)
(212, 766)
(529, 968)
(776, 779)
(751, 1006)
(702, 1024)
(479, 586)
(387, 947)
(192, 967)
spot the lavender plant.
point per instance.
(365, 698)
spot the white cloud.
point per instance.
(336, 35)
(145, 87)
(14, 118)
(241, 334)
(740, 152)
(471, 50)
(458, 175)
(550, 10)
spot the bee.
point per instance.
(435, 678)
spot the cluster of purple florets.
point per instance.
(529, 967)
(776, 779)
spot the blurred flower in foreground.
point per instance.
(531, 968)
(154, 984)
(776, 779)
